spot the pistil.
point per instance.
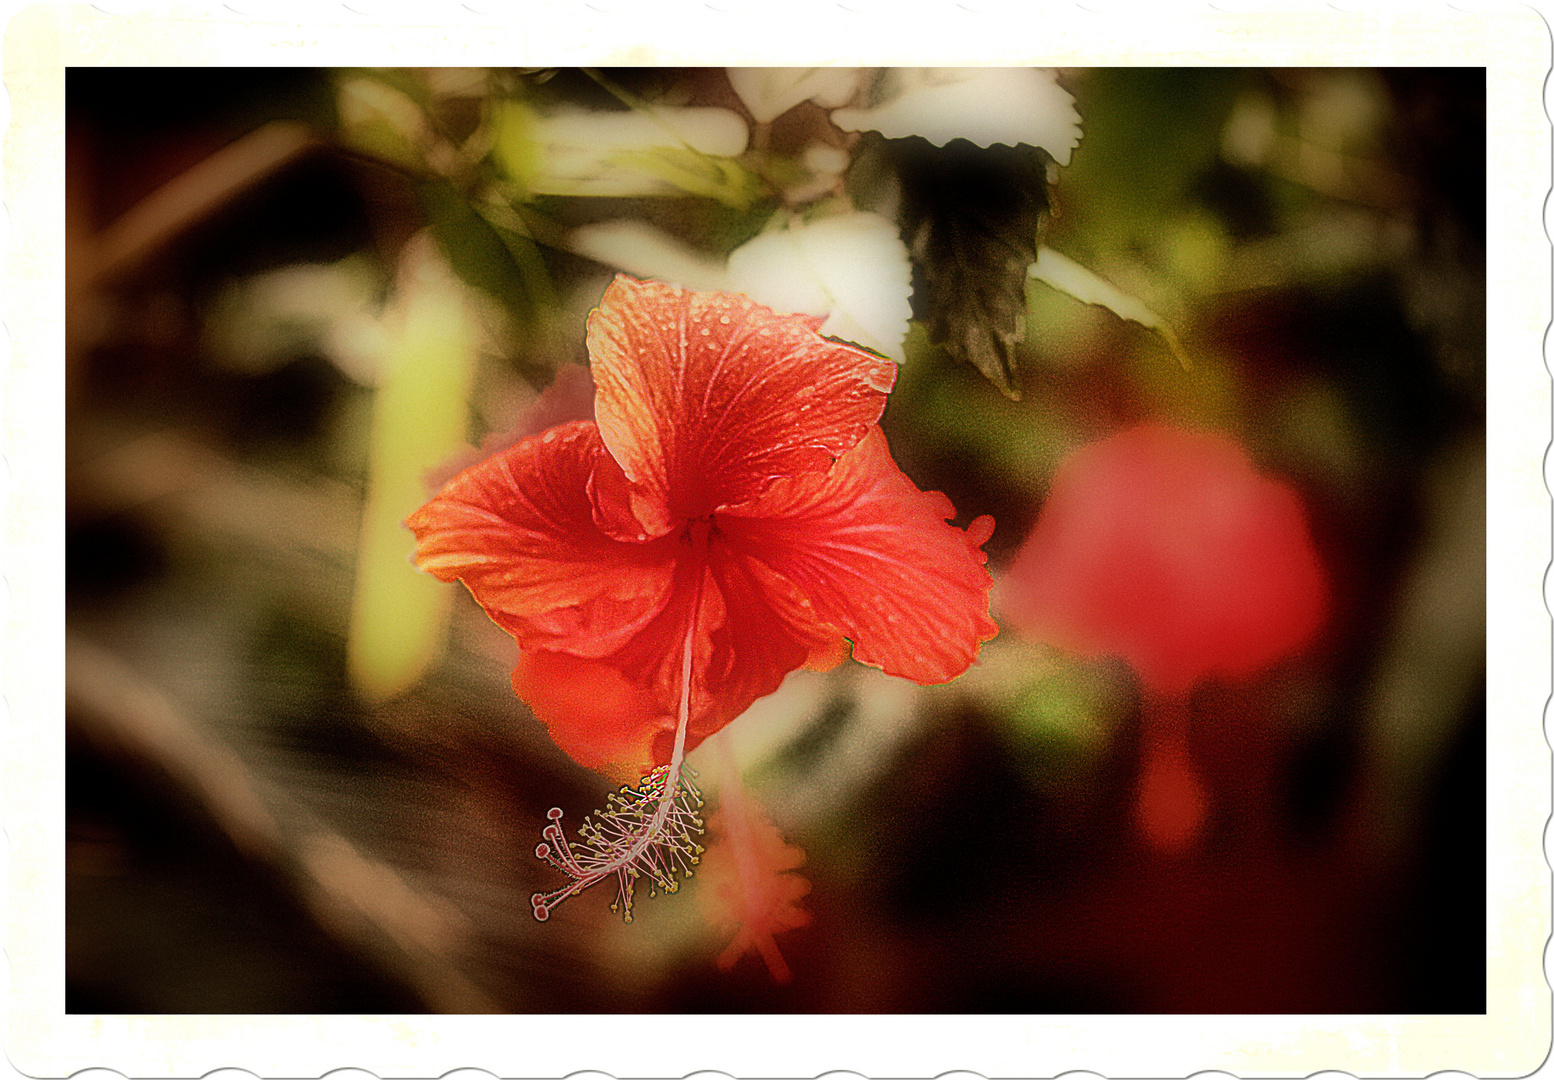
(650, 829)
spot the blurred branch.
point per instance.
(1336, 175)
(306, 529)
(218, 495)
(1433, 656)
(363, 901)
(196, 193)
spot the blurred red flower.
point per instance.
(732, 511)
(749, 886)
(1166, 547)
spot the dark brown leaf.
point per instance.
(972, 218)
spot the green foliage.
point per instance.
(419, 421)
(379, 119)
(513, 146)
(695, 173)
(1067, 711)
(479, 253)
(1066, 275)
(1150, 136)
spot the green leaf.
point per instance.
(420, 418)
(1067, 276)
(694, 173)
(478, 254)
(514, 147)
(645, 151)
(382, 121)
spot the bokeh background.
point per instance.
(297, 778)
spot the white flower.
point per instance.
(984, 105)
(852, 268)
(770, 92)
(644, 251)
(259, 323)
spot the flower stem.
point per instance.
(1172, 803)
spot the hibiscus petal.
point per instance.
(769, 629)
(518, 529)
(752, 628)
(603, 721)
(876, 559)
(703, 398)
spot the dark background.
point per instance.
(986, 863)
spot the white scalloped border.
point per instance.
(1512, 1039)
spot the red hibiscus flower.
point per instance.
(732, 511)
(1167, 548)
